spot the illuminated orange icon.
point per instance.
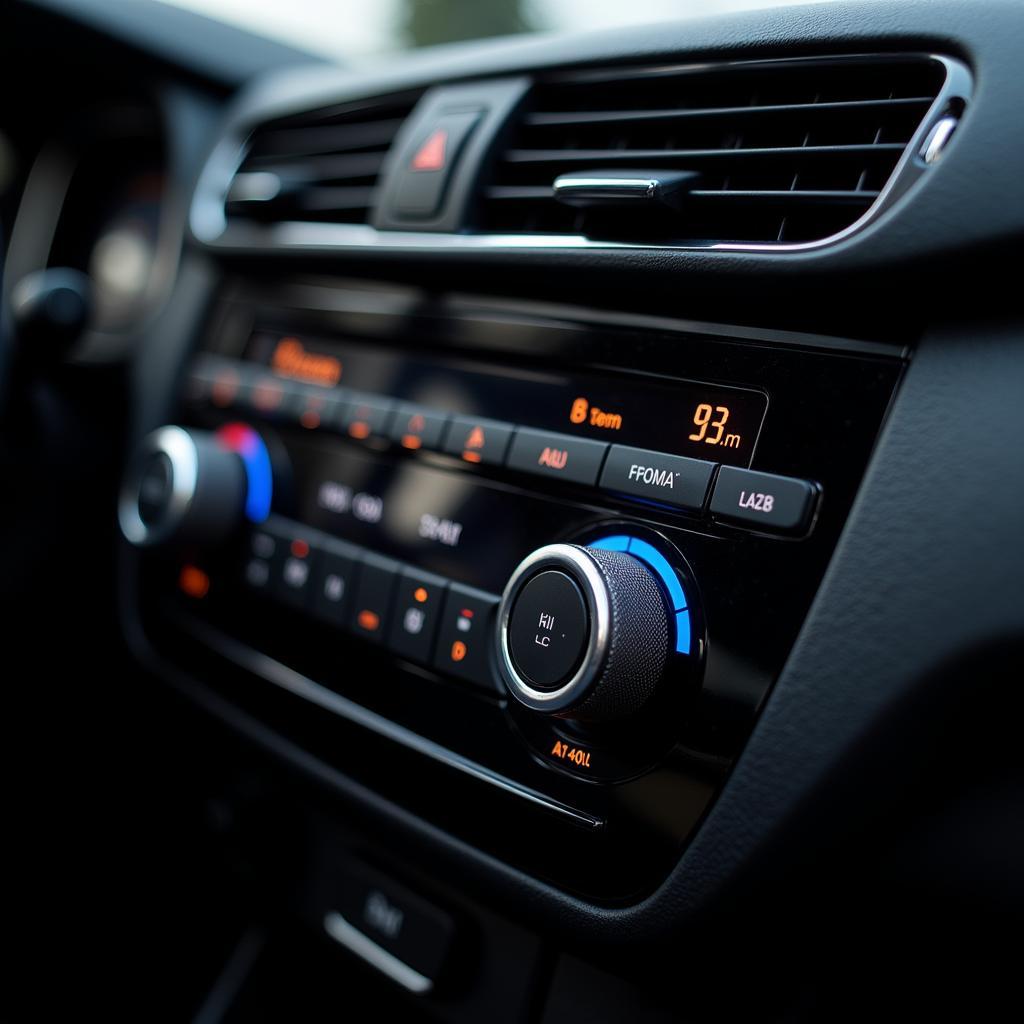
(310, 419)
(474, 444)
(420, 594)
(267, 396)
(368, 620)
(225, 387)
(578, 413)
(459, 650)
(300, 548)
(359, 429)
(553, 458)
(193, 581)
(291, 359)
(431, 155)
(414, 428)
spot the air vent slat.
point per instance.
(626, 156)
(868, 107)
(318, 166)
(782, 151)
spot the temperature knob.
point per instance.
(584, 632)
(195, 486)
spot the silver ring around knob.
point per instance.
(577, 563)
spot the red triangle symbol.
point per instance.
(430, 156)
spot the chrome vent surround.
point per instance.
(321, 166)
(783, 152)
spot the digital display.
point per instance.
(681, 417)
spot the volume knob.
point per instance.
(583, 632)
(183, 485)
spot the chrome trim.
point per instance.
(289, 679)
(366, 949)
(571, 559)
(935, 145)
(210, 226)
(179, 447)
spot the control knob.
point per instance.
(583, 632)
(184, 485)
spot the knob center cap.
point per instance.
(548, 629)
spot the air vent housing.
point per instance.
(320, 166)
(783, 151)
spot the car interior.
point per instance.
(518, 517)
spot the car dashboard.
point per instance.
(543, 516)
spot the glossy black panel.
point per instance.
(461, 758)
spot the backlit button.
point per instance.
(312, 407)
(418, 601)
(763, 500)
(414, 427)
(667, 479)
(464, 638)
(334, 582)
(429, 163)
(483, 441)
(555, 455)
(267, 396)
(371, 608)
(291, 578)
(367, 416)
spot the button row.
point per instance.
(763, 500)
(416, 614)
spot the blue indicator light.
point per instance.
(613, 542)
(683, 632)
(242, 439)
(261, 481)
(659, 563)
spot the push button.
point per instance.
(292, 579)
(548, 630)
(429, 162)
(334, 582)
(372, 604)
(264, 545)
(478, 441)
(555, 455)
(418, 601)
(763, 500)
(367, 416)
(464, 637)
(415, 936)
(667, 479)
(414, 427)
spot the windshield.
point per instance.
(355, 28)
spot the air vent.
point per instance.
(321, 166)
(767, 151)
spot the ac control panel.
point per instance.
(527, 577)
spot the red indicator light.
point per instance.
(194, 582)
(466, 613)
(431, 155)
(360, 430)
(421, 595)
(310, 419)
(412, 442)
(300, 549)
(459, 650)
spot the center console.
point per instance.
(456, 550)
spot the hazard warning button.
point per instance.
(428, 163)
